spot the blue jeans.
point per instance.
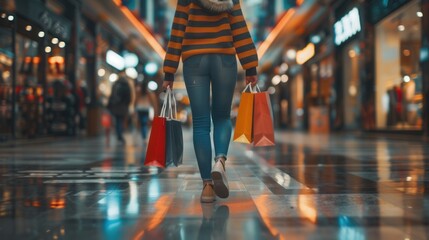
(199, 71)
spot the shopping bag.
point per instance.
(174, 135)
(155, 153)
(263, 130)
(243, 126)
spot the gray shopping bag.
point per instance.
(174, 135)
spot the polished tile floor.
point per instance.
(349, 187)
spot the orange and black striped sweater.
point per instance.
(198, 31)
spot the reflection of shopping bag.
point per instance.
(263, 130)
(174, 135)
(243, 126)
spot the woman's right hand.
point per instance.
(167, 84)
(252, 79)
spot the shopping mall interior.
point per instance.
(326, 121)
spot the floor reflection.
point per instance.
(307, 187)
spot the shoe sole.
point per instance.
(207, 200)
(220, 187)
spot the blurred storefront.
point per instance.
(348, 38)
(398, 75)
(37, 83)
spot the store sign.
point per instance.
(51, 22)
(305, 54)
(347, 27)
(115, 60)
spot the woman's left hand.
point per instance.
(252, 79)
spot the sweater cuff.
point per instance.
(169, 77)
(251, 71)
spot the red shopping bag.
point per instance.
(155, 154)
(263, 130)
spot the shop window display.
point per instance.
(6, 63)
(60, 102)
(29, 90)
(398, 73)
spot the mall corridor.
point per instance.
(307, 187)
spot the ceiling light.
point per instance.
(41, 34)
(28, 28)
(419, 14)
(62, 44)
(401, 27)
(10, 18)
(55, 40)
(48, 49)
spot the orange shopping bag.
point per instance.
(263, 130)
(243, 126)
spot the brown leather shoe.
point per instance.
(208, 194)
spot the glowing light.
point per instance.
(353, 91)
(55, 40)
(10, 18)
(101, 72)
(271, 90)
(151, 68)
(284, 78)
(316, 39)
(132, 73)
(305, 54)
(352, 53)
(28, 28)
(276, 80)
(3, 15)
(419, 14)
(62, 44)
(131, 60)
(283, 68)
(142, 29)
(115, 60)
(113, 77)
(401, 27)
(56, 59)
(407, 78)
(41, 34)
(48, 49)
(291, 54)
(152, 85)
(409, 179)
(347, 26)
(275, 33)
(406, 52)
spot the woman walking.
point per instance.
(208, 34)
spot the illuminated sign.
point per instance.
(305, 54)
(347, 27)
(115, 60)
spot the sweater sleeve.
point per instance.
(243, 42)
(174, 49)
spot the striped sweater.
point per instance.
(198, 31)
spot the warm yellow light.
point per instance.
(142, 29)
(305, 54)
(274, 33)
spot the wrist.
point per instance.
(251, 72)
(169, 77)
